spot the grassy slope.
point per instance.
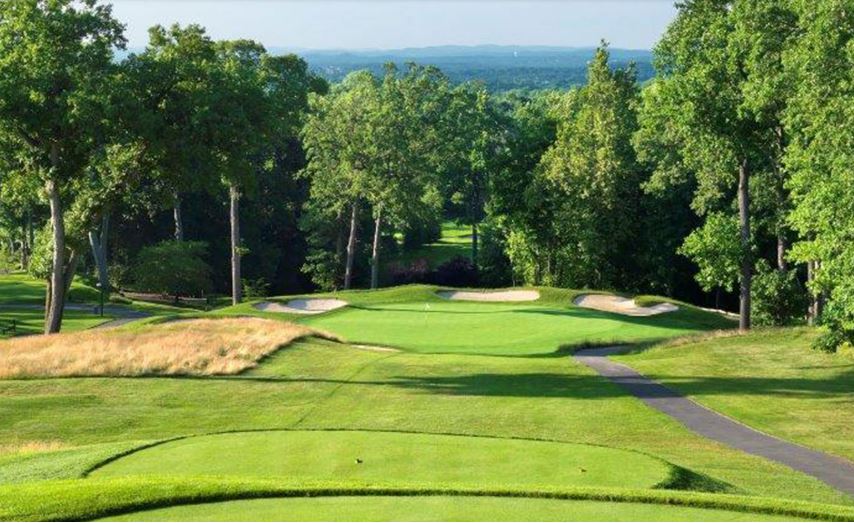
(90, 499)
(769, 379)
(454, 241)
(435, 508)
(412, 317)
(320, 385)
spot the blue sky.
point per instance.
(388, 24)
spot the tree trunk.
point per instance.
(817, 300)
(25, 248)
(474, 244)
(234, 216)
(351, 246)
(53, 312)
(375, 253)
(68, 273)
(746, 263)
(179, 219)
(339, 239)
(782, 246)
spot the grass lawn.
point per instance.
(463, 461)
(454, 241)
(491, 328)
(521, 416)
(31, 321)
(435, 508)
(769, 379)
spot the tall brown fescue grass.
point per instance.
(191, 348)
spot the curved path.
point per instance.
(834, 471)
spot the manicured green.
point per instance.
(492, 328)
(377, 456)
(769, 379)
(434, 508)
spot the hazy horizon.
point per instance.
(379, 25)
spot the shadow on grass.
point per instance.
(556, 385)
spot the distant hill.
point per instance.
(501, 68)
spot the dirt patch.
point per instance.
(302, 306)
(620, 305)
(376, 348)
(509, 295)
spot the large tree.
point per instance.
(56, 59)
(721, 90)
(820, 119)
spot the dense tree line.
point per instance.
(728, 175)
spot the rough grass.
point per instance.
(91, 499)
(190, 348)
(769, 379)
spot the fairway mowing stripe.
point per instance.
(832, 470)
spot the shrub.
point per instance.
(258, 288)
(416, 272)
(778, 296)
(837, 328)
(457, 272)
(173, 268)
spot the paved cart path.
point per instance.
(834, 471)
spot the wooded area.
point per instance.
(201, 166)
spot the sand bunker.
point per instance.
(302, 306)
(611, 303)
(490, 295)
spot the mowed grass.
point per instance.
(454, 241)
(31, 320)
(321, 385)
(377, 456)
(769, 379)
(435, 508)
(491, 328)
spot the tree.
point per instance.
(820, 120)
(170, 88)
(473, 143)
(592, 170)
(55, 58)
(335, 148)
(723, 88)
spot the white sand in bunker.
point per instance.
(302, 306)
(620, 305)
(509, 295)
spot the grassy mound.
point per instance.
(101, 498)
(378, 456)
(435, 508)
(492, 328)
(193, 347)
